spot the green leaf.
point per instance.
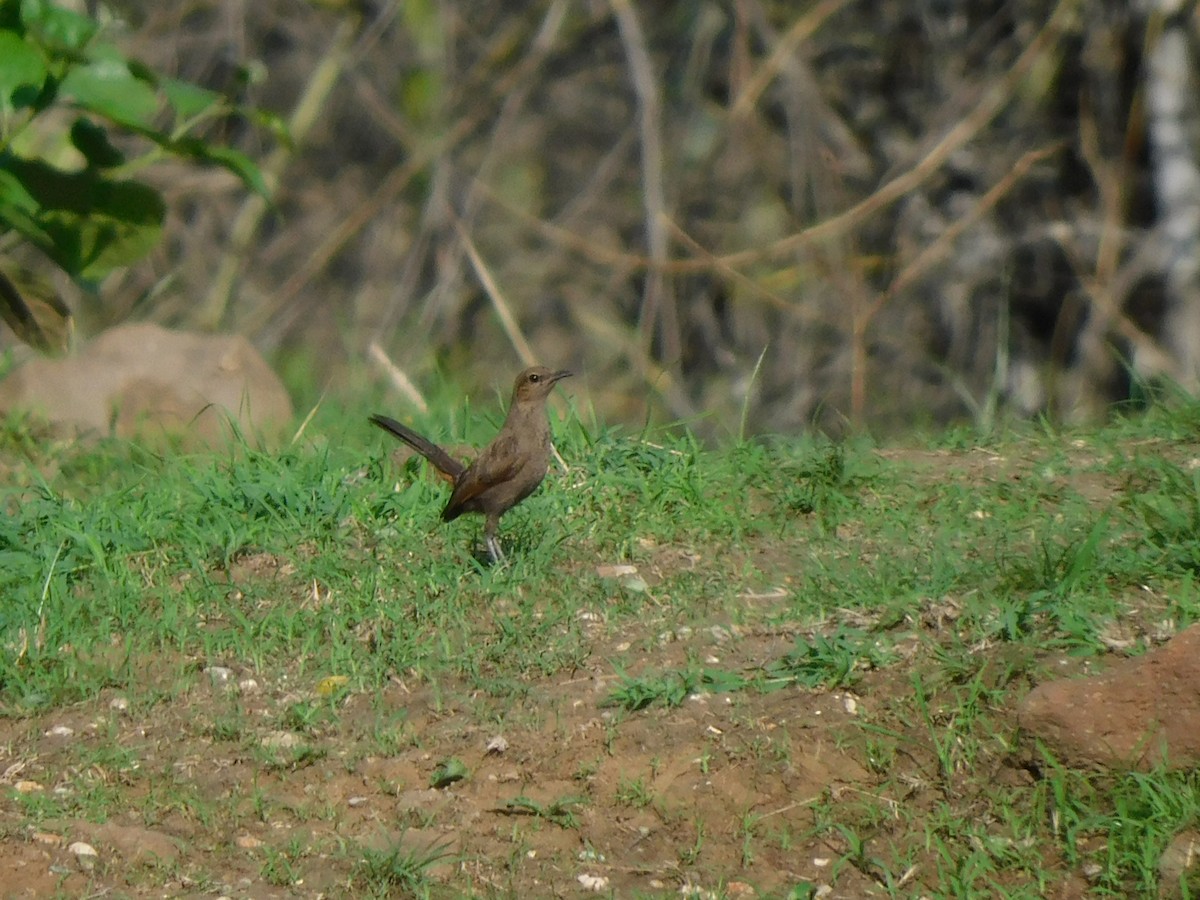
(24, 224)
(271, 122)
(88, 224)
(57, 27)
(237, 163)
(107, 87)
(10, 15)
(21, 65)
(137, 68)
(14, 194)
(448, 772)
(199, 151)
(92, 141)
(188, 100)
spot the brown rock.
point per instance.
(131, 843)
(1141, 713)
(1179, 867)
(141, 379)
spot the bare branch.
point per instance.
(657, 303)
(503, 311)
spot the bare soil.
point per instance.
(727, 794)
(732, 777)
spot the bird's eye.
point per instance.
(535, 377)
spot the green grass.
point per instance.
(399, 870)
(935, 584)
(560, 811)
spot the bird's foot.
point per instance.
(493, 549)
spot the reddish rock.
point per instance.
(1141, 713)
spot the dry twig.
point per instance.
(658, 304)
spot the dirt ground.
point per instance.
(726, 795)
(716, 793)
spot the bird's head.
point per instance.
(535, 383)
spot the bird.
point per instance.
(508, 469)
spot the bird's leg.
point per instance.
(490, 539)
(494, 551)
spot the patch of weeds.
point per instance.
(1061, 567)
(303, 716)
(859, 856)
(815, 662)
(560, 811)
(227, 728)
(690, 855)
(671, 815)
(399, 870)
(827, 662)
(540, 644)
(39, 805)
(671, 688)
(292, 758)
(747, 828)
(944, 733)
(959, 726)
(823, 485)
(1122, 823)
(278, 868)
(447, 772)
(880, 752)
(783, 838)
(391, 739)
(634, 792)
(261, 803)
(965, 867)
(610, 735)
(169, 795)
(1167, 516)
(1162, 411)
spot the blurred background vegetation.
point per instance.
(751, 215)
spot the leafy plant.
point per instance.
(824, 661)
(69, 102)
(817, 662)
(671, 688)
(399, 870)
(1168, 514)
(448, 772)
(560, 811)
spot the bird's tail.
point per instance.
(441, 460)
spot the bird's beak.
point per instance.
(559, 376)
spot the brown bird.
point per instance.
(508, 470)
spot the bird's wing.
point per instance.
(495, 465)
